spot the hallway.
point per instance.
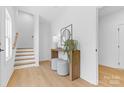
(43, 76)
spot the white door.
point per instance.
(121, 46)
(6, 63)
(2, 48)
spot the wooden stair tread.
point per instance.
(24, 63)
(24, 59)
(24, 50)
(24, 55)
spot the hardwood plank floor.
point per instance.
(111, 77)
(43, 76)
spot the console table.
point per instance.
(74, 64)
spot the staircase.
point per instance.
(24, 58)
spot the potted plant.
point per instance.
(69, 46)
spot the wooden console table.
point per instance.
(74, 64)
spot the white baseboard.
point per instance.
(89, 81)
(8, 79)
(45, 60)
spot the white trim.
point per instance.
(9, 77)
(88, 80)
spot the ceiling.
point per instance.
(109, 9)
(49, 13)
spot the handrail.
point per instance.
(16, 38)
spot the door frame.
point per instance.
(118, 43)
(97, 45)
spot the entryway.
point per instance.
(25, 48)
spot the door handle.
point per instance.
(1, 50)
(32, 36)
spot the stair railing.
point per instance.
(15, 41)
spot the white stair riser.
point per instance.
(25, 60)
(24, 49)
(20, 55)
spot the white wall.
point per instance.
(25, 26)
(7, 68)
(36, 38)
(108, 38)
(44, 40)
(84, 30)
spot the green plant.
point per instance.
(70, 45)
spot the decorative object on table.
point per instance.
(54, 63)
(67, 42)
(74, 64)
(62, 68)
(66, 33)
(55, 41)
(54, 53)
(70, 45)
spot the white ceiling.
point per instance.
(49, 13)
(109, 9)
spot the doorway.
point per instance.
(110, 36)
(26, 48)
(25, 28)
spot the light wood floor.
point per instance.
(43, 76)
(111, 77)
